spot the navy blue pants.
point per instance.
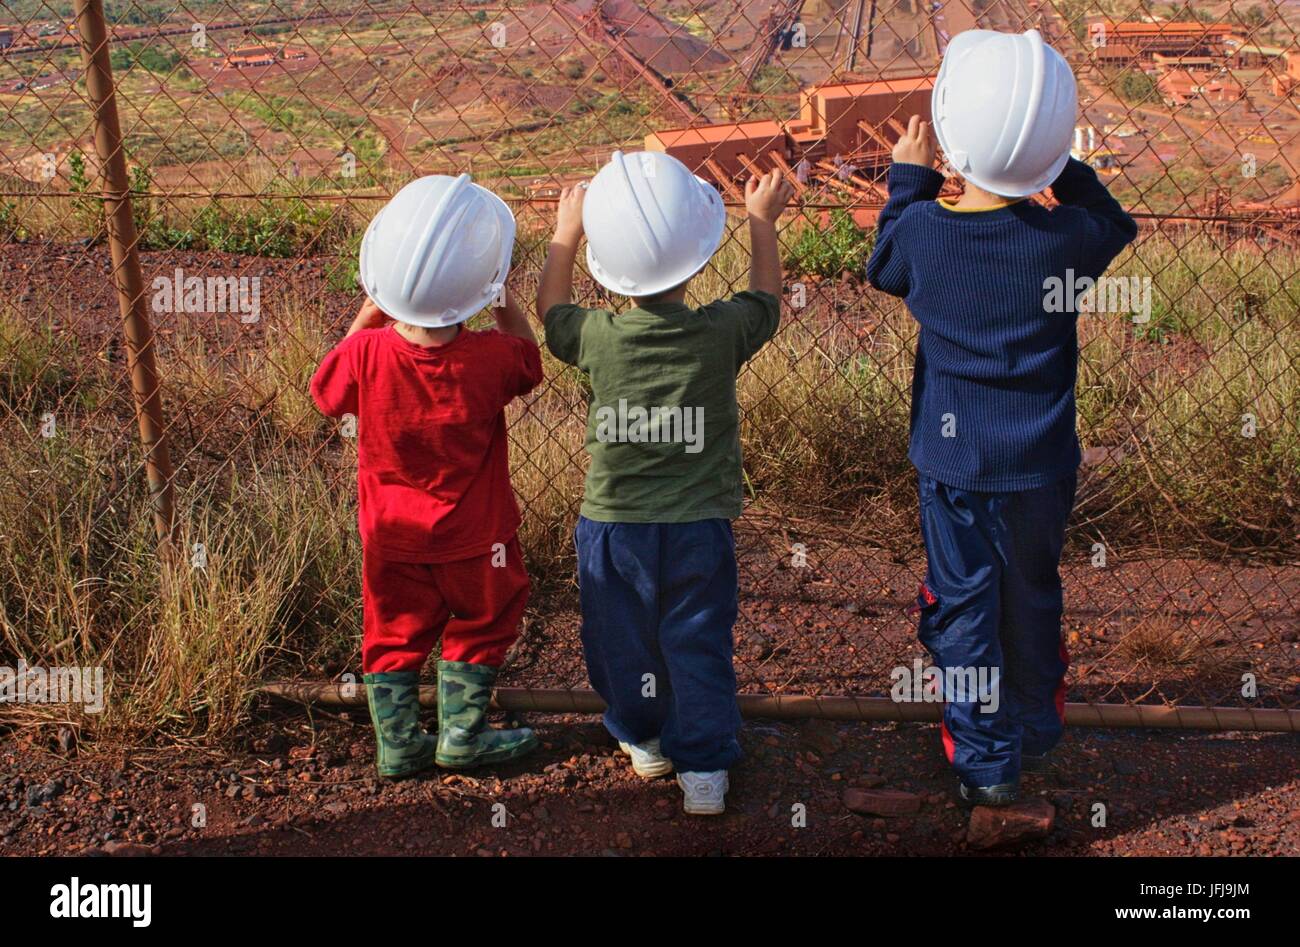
(992, 605)
(658, 606)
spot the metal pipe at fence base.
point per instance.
(807, 707)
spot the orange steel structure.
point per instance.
(840, 124)
(715, 152)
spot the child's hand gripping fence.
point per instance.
(256, 143)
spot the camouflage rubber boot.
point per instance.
(464, 737)
(402, 746)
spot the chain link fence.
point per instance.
(257, 140)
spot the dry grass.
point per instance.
(546, 469)
(824, 428)
(267, 566)
(1160, 641)
(208, 377)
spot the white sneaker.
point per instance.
(704, 793)
(648, 760)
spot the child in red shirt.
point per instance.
(438, 519)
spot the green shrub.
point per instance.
(1136, 87)
(342, 273)
(267, 227)
(87, 210)
(841, 247)
(10, 228)
(152, 58)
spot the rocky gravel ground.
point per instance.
(304, 784)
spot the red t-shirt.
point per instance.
(433, 476)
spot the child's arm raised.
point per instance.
(334, 384)
(556, 283)
(765, 198)
(369, 316)
(511, 319)
(525, 362)
(1109, 228)
(912, 178)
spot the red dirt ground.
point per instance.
(305, 785)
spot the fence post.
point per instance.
(145, 384)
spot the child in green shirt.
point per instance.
(656, 555)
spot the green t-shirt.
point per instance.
(662, 425)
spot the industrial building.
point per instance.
(246, 57)
(1163, 63)
(1244, 53)
(1122, 43)
(1180, 87)
(1289, 81)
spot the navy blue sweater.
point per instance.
(993, 393)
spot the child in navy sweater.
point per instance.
(993, 441)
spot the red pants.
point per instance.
(473, 604)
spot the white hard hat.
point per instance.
(1004, 108)
(650, 224)
(438, 252)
